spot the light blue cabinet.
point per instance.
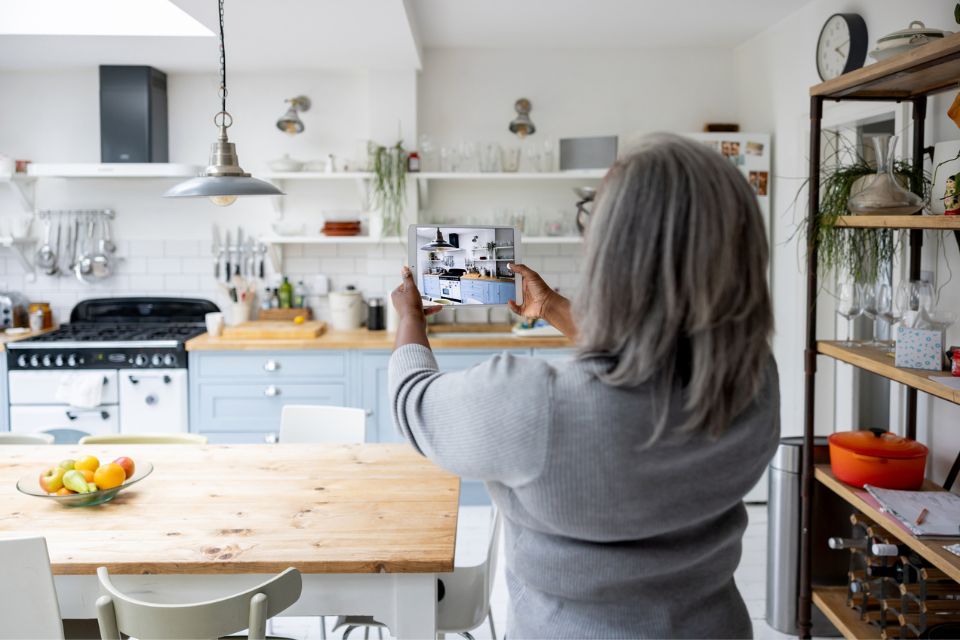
(505, 292)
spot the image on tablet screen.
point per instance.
(465, 265)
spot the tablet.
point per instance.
(464, 265)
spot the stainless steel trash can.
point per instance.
(831, 518)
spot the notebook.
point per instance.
(943, 510)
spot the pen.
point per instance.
(922, 516)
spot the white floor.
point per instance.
(471, 535)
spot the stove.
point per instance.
(119, 365)
(450, 284)
(122, 333)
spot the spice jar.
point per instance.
(45, 313)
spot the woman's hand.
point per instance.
(540, 301)
(406, 300)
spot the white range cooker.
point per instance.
(132, 347)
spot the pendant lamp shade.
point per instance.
(438, 245)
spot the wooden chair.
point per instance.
(25, 438)
(145, 438)
(118, 613)
(301, 423)
(28, 598)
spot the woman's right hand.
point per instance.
(540, 301)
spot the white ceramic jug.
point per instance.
(346, 310)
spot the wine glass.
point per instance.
(888, 310)
(849, 306)
(868, 305)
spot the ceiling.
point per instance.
(338, 34)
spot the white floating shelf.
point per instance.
(584, 174)
(113, 170)
(315, 175)
(551, 239)
(329, 239)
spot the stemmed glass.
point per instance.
(849, 306)
(868, 305)
(888, 309)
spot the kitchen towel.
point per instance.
(81, 390)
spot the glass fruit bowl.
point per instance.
(30, 485)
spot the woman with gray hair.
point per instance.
(621, 474)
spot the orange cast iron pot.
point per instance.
(877, 457)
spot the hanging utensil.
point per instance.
(227, 249)
(84, 247)
(217, 250)
(46, 256)
(107, 245)
(100, 261)
(262, 251)
(57, 255)
(239, 255)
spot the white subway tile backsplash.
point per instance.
(181, 248)
(145, 248)
(198, 266)
(333, 266)
(559, 265)
(539, 250)
(572, 249)
(181, 282)
(301, 265)
(133, 265)
(381, 266)
(319, 250)
(152, 283)
(360, 250)
(163, 265)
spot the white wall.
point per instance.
(774, 73)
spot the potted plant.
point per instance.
(389, 188)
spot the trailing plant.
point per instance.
(389, 189)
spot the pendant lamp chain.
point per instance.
(225, 119)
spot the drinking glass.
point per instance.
(511, 159)
(449, 160)
(428, 153)
(887, 309)
(490, 160)
(469, 160)
(849, 306)
(868, 305)
(547, 157)
(532, 159)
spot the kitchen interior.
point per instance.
(139, 301)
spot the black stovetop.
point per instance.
(97, 332)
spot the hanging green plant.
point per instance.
(389, 188)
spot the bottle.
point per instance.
(413, 162)
(299, 295)
(375, 317)
(847, 543)
(274, 299)
(285, 294)
(265, 299)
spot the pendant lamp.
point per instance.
(223, 180)
(438, 245)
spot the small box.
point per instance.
(920, 348)
(588, 153)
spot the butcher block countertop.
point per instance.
(6, 337)
(367, 508)
(378, 340)
(477, 276)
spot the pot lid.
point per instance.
(879, 443)
(916, 28)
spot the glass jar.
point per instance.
(883, 194)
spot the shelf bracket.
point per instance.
(276, 202)
(363, 190)
(17, 246)
(26, 193)
(423, 191)
(275, 251)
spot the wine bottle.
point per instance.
(837, 543)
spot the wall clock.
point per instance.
(842, 46)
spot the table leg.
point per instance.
(416, 608)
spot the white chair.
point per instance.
(28, 598)
(118, 613)
(466, 594)
(26, 438)
(144, 438)
(301, 423)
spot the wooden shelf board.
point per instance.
(924, 71)
(315, 175)
(881, 363)
(832, 601)
(900, 222)
(931, 549)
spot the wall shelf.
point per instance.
(946, 223)
(832, 601)
(331, 240)
(881, 363)
(581, 174)
(315, 175)
(137, 170)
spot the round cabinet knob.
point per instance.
(271, 365)
(58, 361)
(46, 361)
(156, 360)
(169, 360)
(271, 391)
(71, 360)
(34, 361)
(140, 360)
(22, 361)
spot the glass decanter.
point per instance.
(883, 194)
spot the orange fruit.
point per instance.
(86, 462)
(87, 475)
(63, 491)
(109, 476)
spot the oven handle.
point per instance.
(136, 379)
(73, 415)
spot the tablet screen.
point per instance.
(464, 265)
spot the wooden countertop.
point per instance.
(366, 508)
(376, 340)
(6, 337)
(477, 276)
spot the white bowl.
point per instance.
(288, 228)
(286, 163)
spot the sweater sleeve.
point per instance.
(489, 422)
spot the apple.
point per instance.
(67, 464)
(75, 481)
(127, 464)
(52, 479)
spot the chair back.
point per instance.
(28, 606)
(467, 599)
(300, 423)
(25, 438)
(118, 613)
(144, 438)
(65, 436)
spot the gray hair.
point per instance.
(675, 284)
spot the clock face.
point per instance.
(833, 48)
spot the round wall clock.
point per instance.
(842, 46)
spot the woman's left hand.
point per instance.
(407, 301)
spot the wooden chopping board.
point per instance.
(269, 330)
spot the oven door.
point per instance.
(450, 290)
(40, 387)
(153, 401)
(33, 419)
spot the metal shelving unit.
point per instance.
(909, 77)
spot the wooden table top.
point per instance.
(367, 508)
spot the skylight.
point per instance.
(97, 18)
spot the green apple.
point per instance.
(92, 487)
(67, 464)
(75, 481)
(52, 479)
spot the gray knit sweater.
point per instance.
(604, 537)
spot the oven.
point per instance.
(450, 289)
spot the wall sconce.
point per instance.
(290, 122)
(522, 125)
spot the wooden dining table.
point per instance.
(369, 526)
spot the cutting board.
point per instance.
(269, 330)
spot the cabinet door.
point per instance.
(504, 292)
(256, 406)
(375, 398)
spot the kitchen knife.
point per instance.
(239, 251)
(227, 248)
(216, 249)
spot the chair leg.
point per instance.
(323, 628)
(366, 633)
(493, 630)
(380, 633)
(466, 634)
(348, 631)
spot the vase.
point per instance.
(883, 194)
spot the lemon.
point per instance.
(299, 320)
